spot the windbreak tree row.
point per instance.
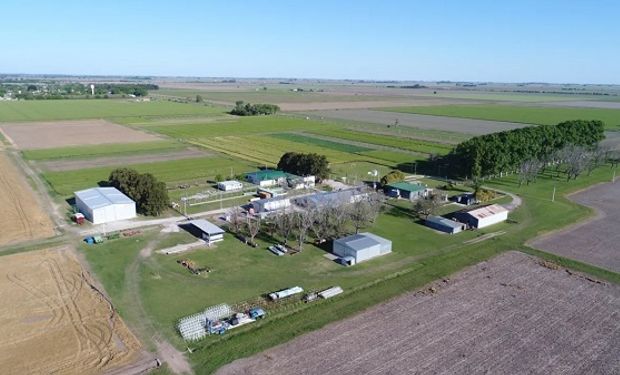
(497, 153)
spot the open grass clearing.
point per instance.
(454, 328)
(95, 151)
(59, 134)
(176, 171)
(520, 114)
(50, 110)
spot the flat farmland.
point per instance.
(50, 110)
(22, 217)
(404, 143)
(460, 125)
(45, 135)
(517, 113)
(595, 241)
(64, 183)
(53, 321)
(490, 318)
(95, 151)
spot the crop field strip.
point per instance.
(518, 113)
(321, 142)
(176, 171)
(51, 110)
(408, 144)
(94, 151)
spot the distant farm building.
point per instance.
(444, 225)
(230, 185)
(297, 182)
(104, 204)
(266, 177)
(483, 216)
(405, 190)
(206, 230)
(360, 247)
(333, 198)
(263, 207)
(465, 198)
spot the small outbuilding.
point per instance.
(264, 206)
(465, 198)
(207, 230)
(360, 247)
(483, 216)
(405, 190)
(104, 204)
(443, 224)
(230, 185)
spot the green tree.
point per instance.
(305, 164)
(393, 176)
(150, 195)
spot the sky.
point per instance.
(559, 41)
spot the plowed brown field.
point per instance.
(53, 321)
(22, 219)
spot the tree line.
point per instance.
(323, 223)
(305, 164)
(498, 153)
(248, 109)
(150, 195)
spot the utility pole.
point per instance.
(553, 195)
(613, 178)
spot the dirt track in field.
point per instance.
(585, 104)
(595, 241)
(510, 315)
(53, 321)
(362, 104)
(41, 135)
(453, 124)
(22, 218)
(69, 165)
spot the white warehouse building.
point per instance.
(483, 216)
(104, 204)
(360, 247)
(230, 185)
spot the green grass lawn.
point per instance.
(522, 114)
(50, 110)
(184, 170)
(321, 142)
(85, 152)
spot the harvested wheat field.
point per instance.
(510, 315)
(53, 321)
(22, 219)
(595, 241)
(40, 135)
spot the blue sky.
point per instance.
(507, 41)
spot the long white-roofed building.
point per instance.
(104, 204)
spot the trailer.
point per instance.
(285, 293)
(330, 292)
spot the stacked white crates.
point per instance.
(194, 327)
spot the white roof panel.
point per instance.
(102, 196)
(207, 227)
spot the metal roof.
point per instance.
(443, 221)
(267, 174)
(362, 241)
(406, 186)
(102, 196)
(486, 211)
(207, 227)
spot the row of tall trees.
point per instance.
(150, 195)
(248, 109)
(305, 164)
(497, 153)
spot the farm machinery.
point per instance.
(192, 266)
(216, 320)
